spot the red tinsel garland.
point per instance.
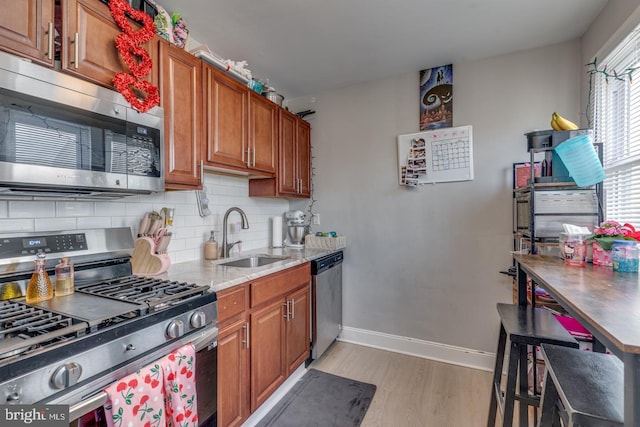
(129, 51)
(135, 56)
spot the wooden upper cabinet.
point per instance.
(293, 177)
(27, 29)
(181, 98)
(288, 170)
(263, 133)
(226, 115)
(88, 41)
(303, 156)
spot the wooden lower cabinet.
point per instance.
(264, 337)
(297, 329)
(233, 359)
(267, 358)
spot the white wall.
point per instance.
(190, 230)
(424, 263)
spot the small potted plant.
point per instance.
(604, 236)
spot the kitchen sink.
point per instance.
(253, 261)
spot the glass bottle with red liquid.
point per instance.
(39, 287)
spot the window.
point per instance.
(616, 120)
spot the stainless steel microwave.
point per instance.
(64, 137)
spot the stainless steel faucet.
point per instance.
(226, 247)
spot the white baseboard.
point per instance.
(420, 348)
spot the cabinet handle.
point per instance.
(246, 335)
(254, 157)
(293, 308)
(76, 51)
(50, 38)
(202, 172)
(249, 157)
(286, 315)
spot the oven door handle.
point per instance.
(206, 339)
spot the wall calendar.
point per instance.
(441, 155)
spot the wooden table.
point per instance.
(607, 303)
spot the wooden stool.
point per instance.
(524, 326)
(582, 388)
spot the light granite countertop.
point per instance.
(219, 277)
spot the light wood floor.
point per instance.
(412, 391)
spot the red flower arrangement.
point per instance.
(135, 56)
(611, 230)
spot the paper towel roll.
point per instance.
(276, 232)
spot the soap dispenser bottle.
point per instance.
(211, 247)
(39, 287)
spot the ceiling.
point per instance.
(307, 46)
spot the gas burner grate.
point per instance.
(24, 329)
(17, 319)
(157, 293)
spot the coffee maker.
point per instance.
(295, 229)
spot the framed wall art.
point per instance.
(436, 97)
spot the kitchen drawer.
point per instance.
(231, 302)
(278, 284)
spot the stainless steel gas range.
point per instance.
(66, 350)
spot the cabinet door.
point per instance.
(233, 375)
(287, 168)
(88, 41)
(180, 97)
(263, 136)
(27, 29)
(297, 329)
(303, 155)
(268, 369)
(226, 109)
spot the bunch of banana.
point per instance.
(560, 123)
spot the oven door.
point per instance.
(207, 381)
(205, 342)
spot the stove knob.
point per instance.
(175, 329)
(198, 319)
(66, 375)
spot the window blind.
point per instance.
(616, 122)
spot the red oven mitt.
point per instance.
(179, 370)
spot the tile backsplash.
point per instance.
(189, 230)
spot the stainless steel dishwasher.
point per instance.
(326, 302)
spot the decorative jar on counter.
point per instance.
(624, 256)
(574, 250)
(601, 256)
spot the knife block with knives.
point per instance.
(150, 251)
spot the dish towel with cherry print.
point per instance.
(137, 400)
(179, 369)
